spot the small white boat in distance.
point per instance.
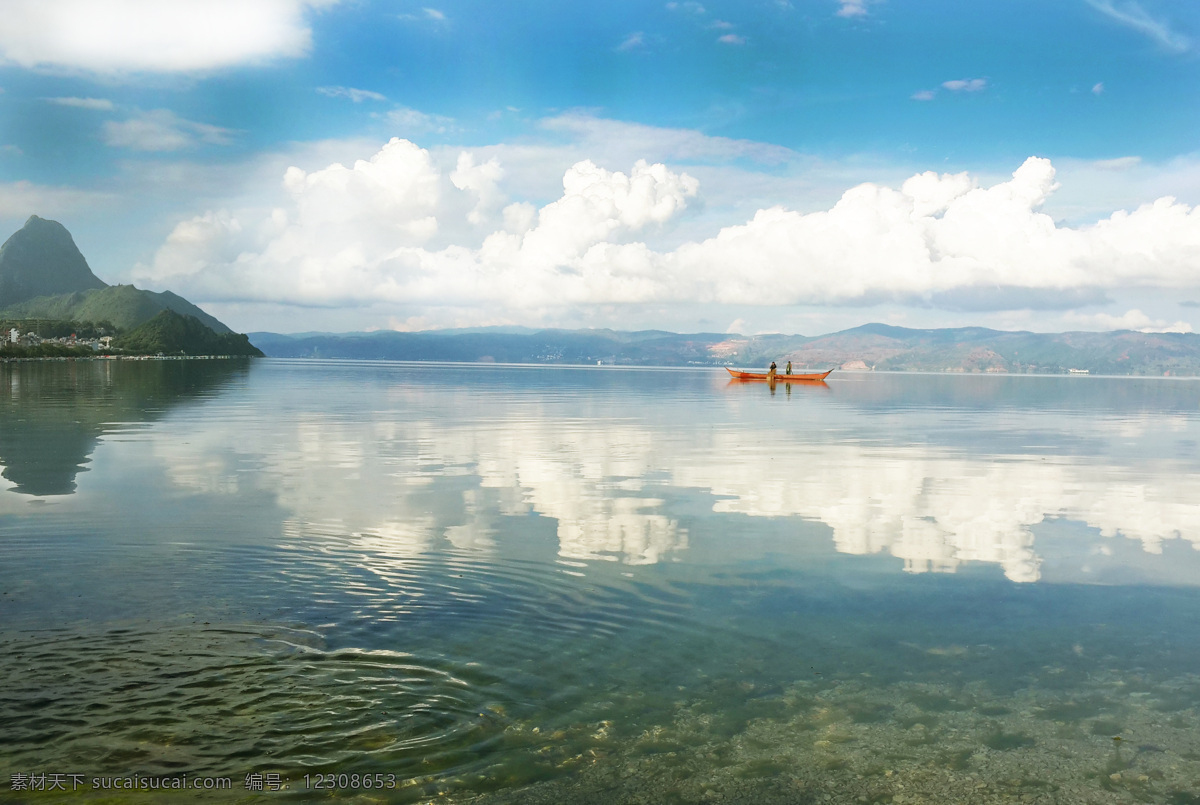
(1078, 371)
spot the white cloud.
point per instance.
(355, 95)
(481, 180)
(96, 104)
(1092, 189)
(212, 238)
(431, 16)
(1131, 320)
(19, 200)
(123, 36)
(923, 95)
(162, 130)
(852, 8)
(1133, 16)
(1118, 164)
(396, 190)
(1098, 88)
(731, 39)
(349, 232)
(685, 145)
(410, 121)
(635, 40)
(965, 84)
(689, 6)
(398, 229)
(322, 239)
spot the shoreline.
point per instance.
(60, 358)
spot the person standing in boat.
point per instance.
(771, 371)
(788, 370)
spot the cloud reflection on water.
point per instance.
(931, 506)
(935, 509)
(409, 466)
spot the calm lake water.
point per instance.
(547, 584)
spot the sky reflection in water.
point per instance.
(433, 537)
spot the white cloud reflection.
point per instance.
(937, 509)
(404, 485)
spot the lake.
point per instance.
(404, 582)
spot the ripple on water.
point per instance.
(228, 700)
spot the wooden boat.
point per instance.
(779, 378)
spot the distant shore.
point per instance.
(967, 350)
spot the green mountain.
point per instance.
(170, 333)
(123, 305)
(41, 259)
(44, 276)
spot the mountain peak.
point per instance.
(41, 259)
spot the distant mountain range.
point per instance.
(43, 276)
(877, 346)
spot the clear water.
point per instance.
(508, 584)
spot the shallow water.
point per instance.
(527, 584)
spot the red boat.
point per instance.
(809, 378)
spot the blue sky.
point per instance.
(684, 165)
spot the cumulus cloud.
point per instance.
(398, 229)
(965, 84)
(162, 130)
(122, 36)
(355, 95)
(481, 180)
(96, 104)
(325, 243)
(731, 39)
(350, 234)
(923, 95)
